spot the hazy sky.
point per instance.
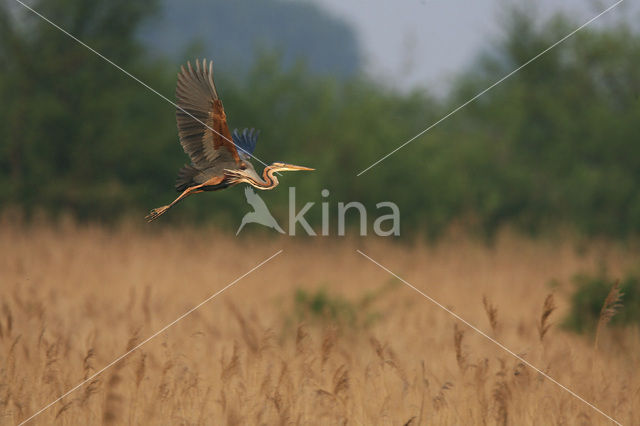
(425, 42)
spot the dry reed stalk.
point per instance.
(139, 376)
(146, 305)
(90, 389)
(113, 400)
(231, 368)
(248, 333)
(547, 309)
(285, 385)
(267, 341)
(411, 422)
(440, 400)
(378, 348)
(165, 387)
(65, 407)
(50, 371)
(337, 398)
(9, 318)
(302, 338)
(612, 304)
(502, 394)
(203, 405)
(10, 366)
(140, 369)
(2, 332)
(134, 338)
(394, 362)
(266, 384)
(461, 358)
(329, 339)
(93, 387)
(501, 397)
(492, 313)
(340, 380)
(87, 363)
(425, 386)
(480, 380)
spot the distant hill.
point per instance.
(232, 31)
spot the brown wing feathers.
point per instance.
(196, 94)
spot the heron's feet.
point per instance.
(155, 213)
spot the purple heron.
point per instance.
(219, 159)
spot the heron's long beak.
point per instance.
(293, 167)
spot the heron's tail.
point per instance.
(185, 177)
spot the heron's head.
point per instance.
(284, 167)
(242, 174)
(250, 176)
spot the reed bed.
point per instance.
(74, 298)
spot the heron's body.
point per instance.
(219, 159)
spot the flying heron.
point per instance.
(219, 159)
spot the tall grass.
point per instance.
(72, 299)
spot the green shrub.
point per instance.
(321, 307)
(589, 295)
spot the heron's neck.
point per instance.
(270, 180)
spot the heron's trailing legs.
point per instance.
(156, 213)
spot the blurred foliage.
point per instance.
(77, 134)
(554, 145)
(321, 307)
(590, 294)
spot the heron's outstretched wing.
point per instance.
(246, 141)
(196, 94)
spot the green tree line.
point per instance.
(554, 146)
